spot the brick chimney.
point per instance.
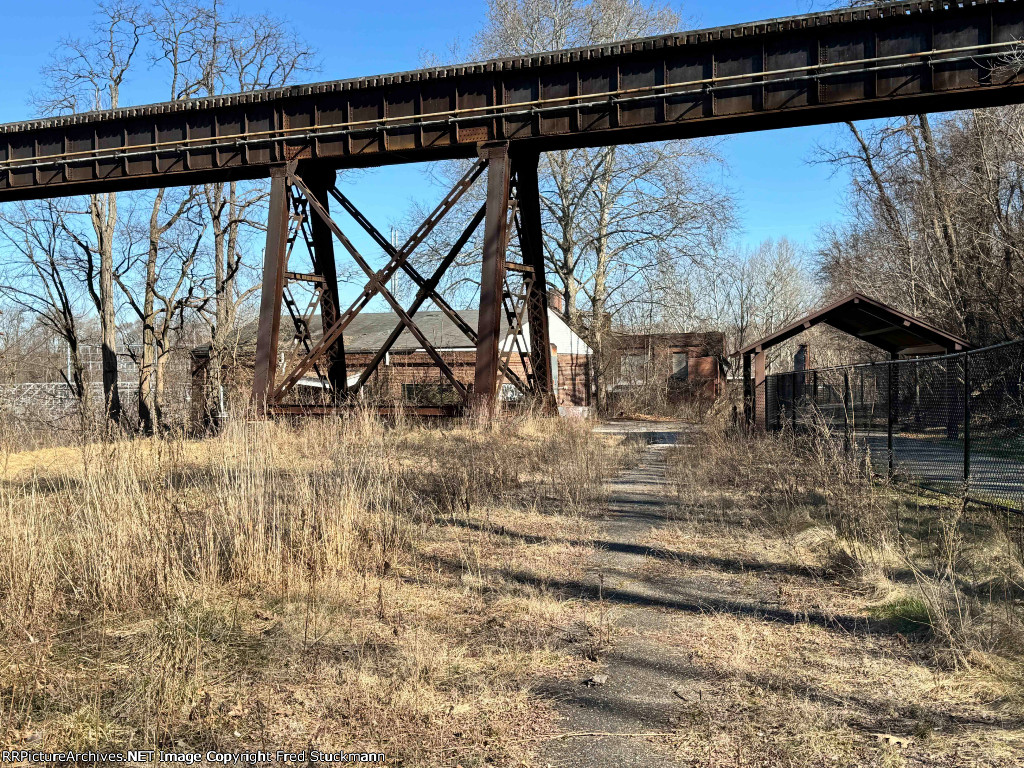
(555, 301)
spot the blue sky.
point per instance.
(778, 192)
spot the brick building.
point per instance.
(408, 374)
(669, 366)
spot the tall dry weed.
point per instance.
(929, 565)
(137, 576)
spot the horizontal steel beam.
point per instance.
(435, 411)
(893, 59)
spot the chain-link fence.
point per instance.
(50, 404)
(953, 424)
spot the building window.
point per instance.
(680, 367)
(430, 393)
(633, 369)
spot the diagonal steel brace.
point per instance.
(380, 279)
(378, 286)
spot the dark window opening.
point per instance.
(430, 393)
(680, 367)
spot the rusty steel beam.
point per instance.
(301, 228)
(513, 335)
(404, 264)
(426, 291)
(275, 263)
(492, 277)
(379, 287)
(848, 64)
(380, 279)
(429, 411)
(442, 304)
(531, 243)
(320, 181)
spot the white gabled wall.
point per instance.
(566, 342)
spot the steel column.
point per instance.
(274, 266)
(492, 277)
(531, 242)
(967, 424)
(793, 398)
(760, 392)
(848, 425)
(894, 400)
(748, 391)
(319, 182)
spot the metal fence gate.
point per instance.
(953, 424)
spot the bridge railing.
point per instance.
(952, 423)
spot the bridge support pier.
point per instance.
(531, 243)
(299, 214)
(320, 181)
(492, 278)
(274, 265)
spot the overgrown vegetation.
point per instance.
(844, 621)
(956, 573)
(340, 584)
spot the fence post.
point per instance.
(967, 424)
(894, 381)
(792, 398)
(847, 405)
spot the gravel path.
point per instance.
(645, 681)
(808, 667)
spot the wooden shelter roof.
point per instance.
(873, 322)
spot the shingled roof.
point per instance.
(369, 330)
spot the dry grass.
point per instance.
(340, 584)
(906, 614)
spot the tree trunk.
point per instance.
(599, 299)
(104, 218)
(147, 394)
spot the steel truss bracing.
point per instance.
(888, 59)
(299, 212)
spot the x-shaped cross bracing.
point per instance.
(312, 203)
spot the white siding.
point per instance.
(566, 342)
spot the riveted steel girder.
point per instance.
(890, 59)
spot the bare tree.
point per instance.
(88, 74)
(614, 218)
(208, 52)
(750, 292)
(162, 255)
(39, 276)
(937, 219)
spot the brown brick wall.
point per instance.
(419, 368)
(573, 379)
(703, 350)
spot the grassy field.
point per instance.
(904, 642)
(349, 585)
(328, 584)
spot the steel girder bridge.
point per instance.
(886, 60)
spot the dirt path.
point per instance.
(726, 651)
(644, 677)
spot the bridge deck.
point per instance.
(816, 68)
